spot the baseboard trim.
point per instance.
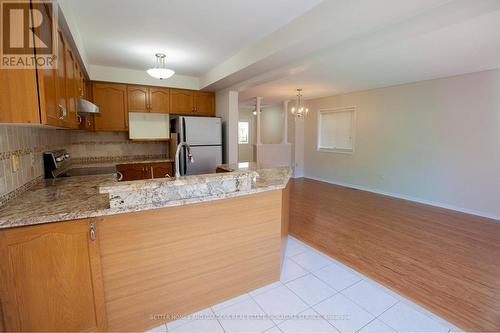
(494, 217)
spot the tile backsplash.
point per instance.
(28, 143)
(111, 145)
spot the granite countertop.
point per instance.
(100, 195)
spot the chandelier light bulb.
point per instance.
(299, 110)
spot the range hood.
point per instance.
(86, 107)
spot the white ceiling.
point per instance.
(196, 35)
(443, 39)
(269, 48)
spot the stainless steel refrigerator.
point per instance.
(204, 135)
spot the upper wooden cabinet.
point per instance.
(51, 278)
(112, 101)
(18, 96)
(188, 102)
(181, 101)
(204, 103)
(159, 100)
(138, 98)
(71, 89)
(148, 99)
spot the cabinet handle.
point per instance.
(92, 231)
(152, 173)
(79, 119)
(167, 176)
(119, 176)
(89, 123)
(62, 112)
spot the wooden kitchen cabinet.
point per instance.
(62, 104)
(71, 89)
(112, 101)
(192, 103)
(138, 98)
(51, 278)
(148, 99)
(132, 171)
(162, 170)
(138, 171)
(159, 100)
(18, 96)
(204, 103)
(181, 101)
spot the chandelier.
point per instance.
(160, 71)
(299, 110)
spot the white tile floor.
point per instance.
(315, 294)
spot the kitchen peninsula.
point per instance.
(129, 256)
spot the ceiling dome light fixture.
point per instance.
(160, 71)
(299, 110)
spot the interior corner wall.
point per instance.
(227, 108)
(436, 142)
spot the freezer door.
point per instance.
(206, 160)
(202, 131)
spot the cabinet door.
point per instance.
(18, 96)
(204, 103)
(71, 89)
(159, 100)
(51, 278)
(49, 111)
(133, 171)
(138, 98)
(161, 170)
(112, 100)
(86, 122)
(62, 94)
(181, 101)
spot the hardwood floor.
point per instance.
(446, 261)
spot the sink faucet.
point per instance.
(189, 155)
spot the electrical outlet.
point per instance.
(14, 163)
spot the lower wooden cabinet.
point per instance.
(138, 171)
(51, 278)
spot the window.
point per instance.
(336, 130)
(243, 133)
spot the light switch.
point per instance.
(14, 163)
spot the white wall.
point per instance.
(271, 119)
(226, 107)
(246, 152)
(132, 76)
(434, 141)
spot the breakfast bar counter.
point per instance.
(145, 252)
(71, 198)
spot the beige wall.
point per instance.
(434, 141)
(246, 153)
(271, 120)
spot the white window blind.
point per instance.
(336, 130)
